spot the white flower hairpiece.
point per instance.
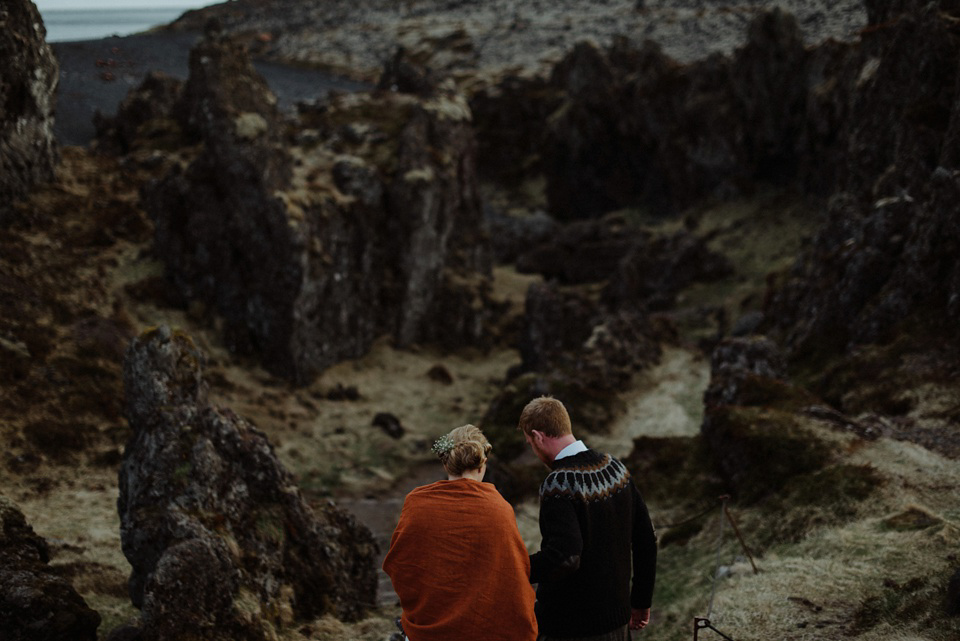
(442, 445)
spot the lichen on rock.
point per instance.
(221, 542)
(28, 79)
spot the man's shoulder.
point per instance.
(589, 476)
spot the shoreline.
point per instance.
(95, 75)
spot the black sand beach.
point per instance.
(95, 75)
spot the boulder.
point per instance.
(656, 268)
(155, 99)
(953, 594)
(870, 269)
(583, 251)
(28, 80)
(637, 128)
(221, 543)
(35, 603)
(737, 360)
(514, 234)
(752, 428)
(367, 223)
(509, 118)
(566, 330)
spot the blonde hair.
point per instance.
(547, 415)
(468, 450)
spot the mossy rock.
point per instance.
(761, 391)
(828, 497)
(757, 450)
(590, 410)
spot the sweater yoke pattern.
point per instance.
(586, 483)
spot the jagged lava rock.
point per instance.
(367, 222)
(35, 603)
(154, 99)
(751, 424)
(28, 80)
(568, 330)
(221, 543)
(582, 251)
(638, 128)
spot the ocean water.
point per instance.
(65, 25)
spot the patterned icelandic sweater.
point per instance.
(593, 520)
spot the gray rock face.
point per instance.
(221, 543)
(28, 80)
(736, 360)
(35, 603)
(311, 248)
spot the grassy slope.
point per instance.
(844, 569)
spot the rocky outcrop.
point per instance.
(635, 128)
(585, 251)
(28, 81)
(154, 100)
(885, 251)
(367, 223)
(514, 234)
(600, 348)
(752, 428)
(35, 603)
(880, 11)
(638, 128)
(221, 543)
(656, 268)
(642, 269)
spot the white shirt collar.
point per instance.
(574, 448)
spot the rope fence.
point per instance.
(703, 623)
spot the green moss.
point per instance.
(759, 449)
(181, 474)
(269, 525)
(828, 497)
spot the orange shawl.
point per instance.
(459, 566)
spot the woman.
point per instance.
(456, 559)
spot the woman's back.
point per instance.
(459, 566)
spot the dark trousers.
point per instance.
(620, 634)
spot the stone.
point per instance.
(29, 73)
(154, 99)
(509, 118)
(736, 360)
(221, 542)
(953, 594)
(310, 251)
(389, 423)
(512, 235)
(35, 603)
(586, 251)
(656, 268)
(755, 435)
(402, 74)
(599, 348)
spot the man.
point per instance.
(596, 530)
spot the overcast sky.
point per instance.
(45, 5)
